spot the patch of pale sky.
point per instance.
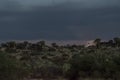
(26, 4)
(86, 2)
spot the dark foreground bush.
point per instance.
(11, 69)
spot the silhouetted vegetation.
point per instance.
(25, 60)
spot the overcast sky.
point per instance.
(59, 19)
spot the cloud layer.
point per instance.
(65, 20)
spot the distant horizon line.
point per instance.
(49, 42)
(52, 39)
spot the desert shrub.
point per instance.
(47, 69)
(11, 69)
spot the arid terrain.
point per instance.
(38, 61)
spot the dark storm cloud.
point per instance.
(61, 21)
